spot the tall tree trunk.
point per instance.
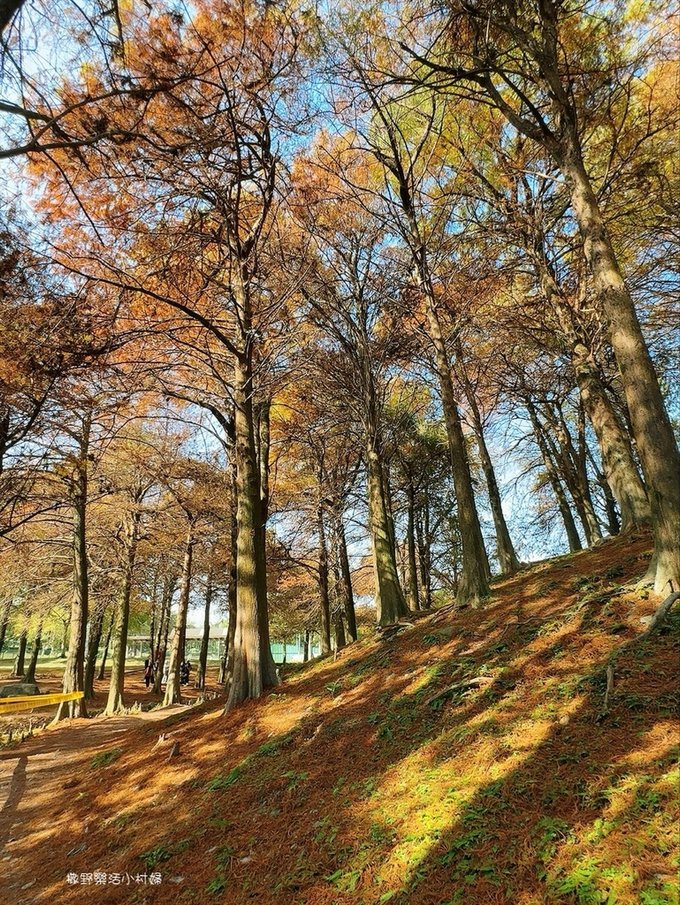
(254, 668)
(565, 510)
(102, 668)
(411, 562)
(613, 524)
(613, 439)
(64, 639)
(346, 580)
(507, 557)
(172, 689)
(616, 451)
(262, 435)
(263, 447)
(474, 582)
(575, 479)
(29, 678)
(74, 671)
(205, 638)
(4, 622)
(153, 647)
(227, 665)
(651, 425)
(93, 641)
(305, 648)
(19, 660)
(325, 631)
(387, 493)
(115, 703)
(338, 598)
(473, 585)
(424, 555)
(389, 597)
(169, 586)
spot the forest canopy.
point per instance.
(321, 315)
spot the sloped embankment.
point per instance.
(358, 781)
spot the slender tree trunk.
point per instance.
(93, 641)
(152, 622)
(19, 660)
(172, 689)
(102, 668)
(338, 599)
(164, 629)
(613, 439)
(507, 557)
(305, 648)
(74, 671)
(474, 582)
(565, 511)
(263, 446)
(29, 678)
(565, 455)
(205, 639)
(411, 563)
(424, 556)
(324, 601)
(618, 460)
(651, 426)
(473, 585)
(389, 598)
(227, 665)
(262, 435)
(64, 639)
(254, 668)
(613, 525)
(4, 622)
(346, 575)
(115, 703)
(387, 493)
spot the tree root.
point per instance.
(388, 632)
(460, 686)
(658, 618)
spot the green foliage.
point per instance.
(587, 883)
(274, 746)
(326, 832)
(104, 758)
(155, 856)
(551, 831)
(668, 894)
(216, 886)
(221, 781)
(345, 880)
(225, 855)
(294, 778)
(436, 637)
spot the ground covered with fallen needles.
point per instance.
(469, 758)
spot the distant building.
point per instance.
(138, 646)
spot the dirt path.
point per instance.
(44, 768)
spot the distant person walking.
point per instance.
(148, 671)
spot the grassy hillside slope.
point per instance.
(354, 783)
